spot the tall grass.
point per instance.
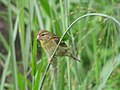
(12, 49)
(89, 27)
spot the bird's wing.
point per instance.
(57, 39)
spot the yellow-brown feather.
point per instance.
(49, 42)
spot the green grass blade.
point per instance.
(4, 42)
(34, 63)
(16, 27)
(107, 70)
(5, 71)
(41, 25)
(12, 48)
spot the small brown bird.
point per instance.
(49, 42)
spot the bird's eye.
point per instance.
(43, 35)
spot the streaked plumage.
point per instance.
(49, 42)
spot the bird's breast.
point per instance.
(49, 47)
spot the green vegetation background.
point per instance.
(94, 39)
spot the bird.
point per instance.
(49, 42)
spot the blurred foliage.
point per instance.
(94, 40)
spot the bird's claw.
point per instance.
(50, 60)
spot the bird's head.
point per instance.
(44, 35)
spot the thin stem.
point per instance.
(44, 76)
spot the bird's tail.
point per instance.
(72, 56)
(75, 58)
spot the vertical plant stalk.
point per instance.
(12, 48)
(44, 76)
(28, 34)
(67, 11)
(34, 64)
(4, 74)
(21, 5)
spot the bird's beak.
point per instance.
(38, 37)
